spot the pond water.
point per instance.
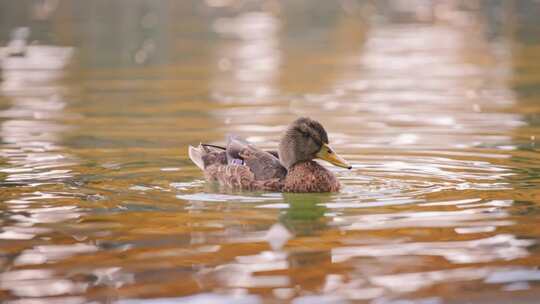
(436, 104)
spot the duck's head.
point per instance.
(304, 140)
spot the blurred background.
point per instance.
(436, 103)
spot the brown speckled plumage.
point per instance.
(241, 177)
(310, 177)
(241, 165)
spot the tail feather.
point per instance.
(196, 154)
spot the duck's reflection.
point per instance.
(305, 215)
(283, 262)
(305, 218)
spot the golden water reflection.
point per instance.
(433, 102)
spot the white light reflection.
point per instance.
(50, 300)
(277, 236)
(31, 133)
(474, 217)
(244, 271)
(215, 197)
(354, 289)
(498, 247)
(113, 276)
(513, 275)
(247, 68)
(248, 58)
(38, 283)
(51, 253)
(409, 282)
(202, 298)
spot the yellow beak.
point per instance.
(326, 153)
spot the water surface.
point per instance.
(436, 106)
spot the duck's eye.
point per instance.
(330, 151)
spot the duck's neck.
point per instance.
(309, 176)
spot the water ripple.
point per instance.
(499, 247)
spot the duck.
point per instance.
(241, 165)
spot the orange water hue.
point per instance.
(435, 104)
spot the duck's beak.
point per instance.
(326, 153)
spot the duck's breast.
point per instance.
(310, 177)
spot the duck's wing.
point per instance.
(241, 177)
(206, 155)
(274, 153)
(264, 165)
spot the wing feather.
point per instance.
(263, 164)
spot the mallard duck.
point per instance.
(241, 165)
